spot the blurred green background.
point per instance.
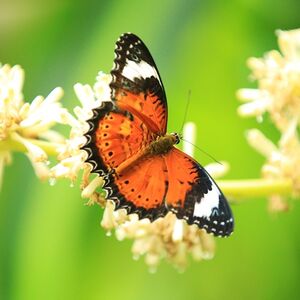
(51, 245)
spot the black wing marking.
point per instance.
(195, 197)
(206, 206)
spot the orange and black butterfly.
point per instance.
(128, 145)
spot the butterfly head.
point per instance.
(177, 137)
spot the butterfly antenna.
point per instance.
(186, 110)
(202, 151)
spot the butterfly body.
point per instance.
(127, 144)
(163, 144)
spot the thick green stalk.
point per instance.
(248, 188)
(13, 145)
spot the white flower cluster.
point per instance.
(166, 238)
(27, 127)
(278, 94)
(70, 156)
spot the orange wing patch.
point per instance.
(182, 174)
(118, 138)
(142, 188)
(147, 106)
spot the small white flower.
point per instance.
(261, 144)
(289, 43)
(189, 134)
(177, 233)
(217, 170)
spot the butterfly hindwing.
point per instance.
(136, 85)
(194, 196)
(141, 189)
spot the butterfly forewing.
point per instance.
(114, 137)
(136, 85)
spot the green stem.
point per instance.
(249, 188)
(236, 189)
(13, 145)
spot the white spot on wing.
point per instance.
(140, 70)
(207, 203)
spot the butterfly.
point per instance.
(128, 144)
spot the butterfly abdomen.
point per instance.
(162, 145)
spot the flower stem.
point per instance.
(248, 188)
(237, 189)
(13, 145)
